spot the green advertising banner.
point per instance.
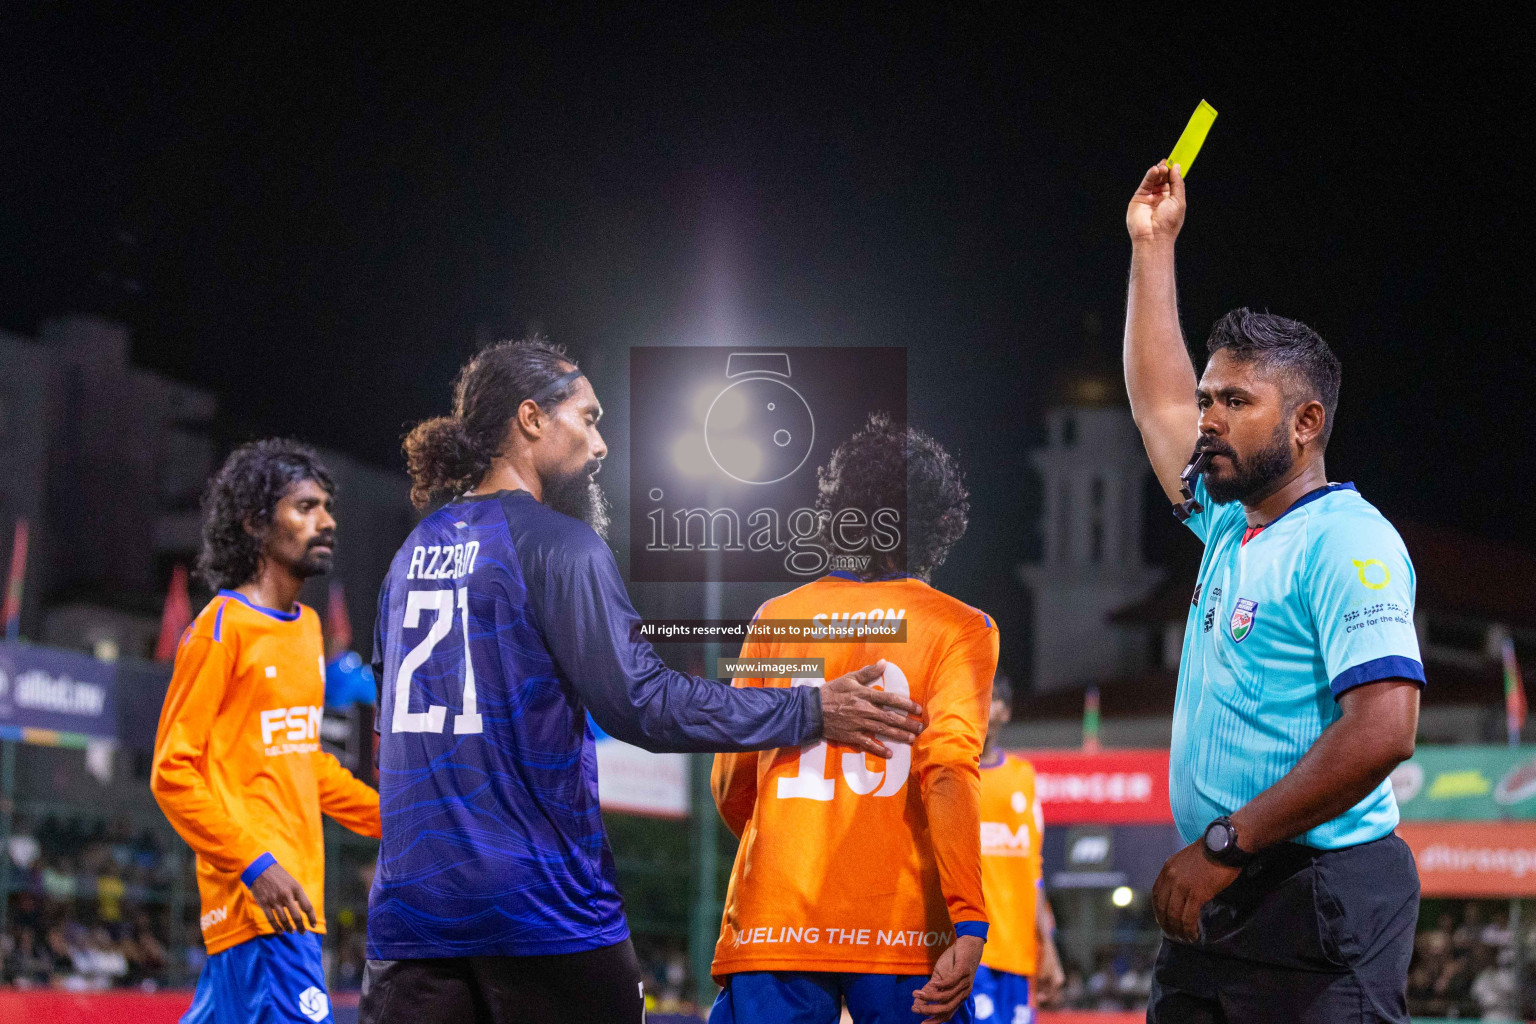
(1467, 784)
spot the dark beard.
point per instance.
(315, 563)
(1255, 474)
(580, 497)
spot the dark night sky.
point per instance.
(328, 211)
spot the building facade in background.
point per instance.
(1093, 472)
(107, 462)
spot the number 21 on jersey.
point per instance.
(811, 782)
(431, 720)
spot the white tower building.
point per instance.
(1093, 468)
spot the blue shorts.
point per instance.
(271, 979)
(1002, 998)
(813, 997)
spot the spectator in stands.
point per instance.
(1494, 988)
(27, 963)
(1466, 937)
(1496, 933)
(77, 916)
(147, 956)
(23, 846)
(1101, 986)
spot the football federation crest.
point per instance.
(1242, 619)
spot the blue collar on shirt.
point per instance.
(1309, 497)
(845, 575)
(281, 616)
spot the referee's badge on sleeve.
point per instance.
(1242, 619)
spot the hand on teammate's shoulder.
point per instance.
(855, 714)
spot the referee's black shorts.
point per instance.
(598, 986)
(1303, 936)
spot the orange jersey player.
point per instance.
(1020, 965)
(238, 767)
(858, 882)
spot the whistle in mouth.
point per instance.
(1189, 506)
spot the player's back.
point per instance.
(841, 867)
(493, 841)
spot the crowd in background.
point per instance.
(88, 907)
(1119, 981)
(1464, 963)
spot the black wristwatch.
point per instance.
(1220, 843)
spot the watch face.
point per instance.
(1217, 839)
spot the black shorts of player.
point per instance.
(1303, 936)
(601, 986)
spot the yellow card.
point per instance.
(1188, 146)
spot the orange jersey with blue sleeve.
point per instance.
(238, 767)
(1011, 830)
(852, 863)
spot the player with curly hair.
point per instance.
(238, 767)
(857, 884)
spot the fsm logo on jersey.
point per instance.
(726, 445)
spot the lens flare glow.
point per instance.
(691, 456)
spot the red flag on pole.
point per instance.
(1514, 694)
(338, 625)
(18, 574)
(175, 616)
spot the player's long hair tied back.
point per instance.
(447, 455)
(240, 500)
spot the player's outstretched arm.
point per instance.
(590, 628)
(1159, 376)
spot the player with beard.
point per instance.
(502, 622)
(1299, 682)
(237, 765)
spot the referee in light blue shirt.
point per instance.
(1300, 676)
